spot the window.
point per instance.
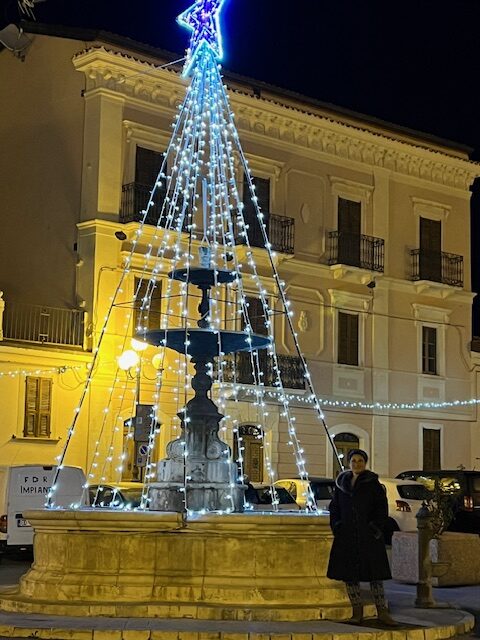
(431, 449)
(429, 350)
(147, 166)
(430, 250)
(347, 338)
(349, 230)
(256, 316)
(38, 407)
(262, 191)
(149, 317)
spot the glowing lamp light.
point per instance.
(157, 360)
(128, 359)
(138, 345)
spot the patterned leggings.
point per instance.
(376, 587)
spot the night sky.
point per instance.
(415, 63)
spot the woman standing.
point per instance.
(358, 513)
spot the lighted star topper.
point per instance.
(202, 18)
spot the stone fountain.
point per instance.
(215, 563)
(198, 473)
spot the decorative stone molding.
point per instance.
(429, 209)
(426, 313)
(348, 300)
(349, 189)
(277, 121)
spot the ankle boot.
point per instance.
(385, 618)
(357, 614)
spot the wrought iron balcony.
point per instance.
(356, 250)
(43, 325)
(239, 369)
(135, 198)
(280, 232)
(437, 266)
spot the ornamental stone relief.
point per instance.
(119, 73)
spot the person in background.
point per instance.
(358, 513)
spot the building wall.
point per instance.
(41, 130)
(82, 150)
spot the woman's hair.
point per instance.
(357, 452)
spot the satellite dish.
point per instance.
(13, 38)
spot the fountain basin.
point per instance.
(249, 566)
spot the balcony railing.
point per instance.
(356, 250)
(437, 266)
(239, 369)
(43, 325)
(135, 198)
(280, 232)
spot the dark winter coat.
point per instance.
(357, 519)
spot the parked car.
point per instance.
(322, 489)
(464, 488)
(24, 487)
(286, 502)
(119, 495)
(404, 498)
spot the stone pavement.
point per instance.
(415, 624)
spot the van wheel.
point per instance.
(389, 530)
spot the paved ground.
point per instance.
(466, 598)
(416, 624)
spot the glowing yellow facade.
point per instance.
(73, 116)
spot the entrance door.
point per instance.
(349, 232)
(343, 442)
(252, 444)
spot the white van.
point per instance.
(24, 487)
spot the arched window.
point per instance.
(344, 442)
(250, 439)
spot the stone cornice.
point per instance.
(266, 118)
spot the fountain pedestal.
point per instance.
(197, 472)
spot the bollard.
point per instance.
(425, 534)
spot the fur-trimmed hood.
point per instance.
(344, 480)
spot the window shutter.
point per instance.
(347, 338)
(256, 316)
(147, 166)
(44, 407)
(38, 406)
(429, 350)
(148, 317)
(431, 249)
(349, 216)
(31, 392)
(262, 191)
(431, 449)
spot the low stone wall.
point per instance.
(461, 550)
